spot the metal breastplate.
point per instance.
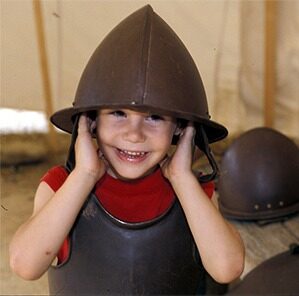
(109, 256)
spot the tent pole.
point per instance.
(269, 62)
(52, 136)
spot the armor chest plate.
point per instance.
(109, 256)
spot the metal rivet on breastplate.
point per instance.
(281, 203)
(269, 206)
(256, 207)
(133, 103)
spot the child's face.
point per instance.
(132, 142)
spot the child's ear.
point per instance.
(93, 126)
(94, 131)
(178, 131)
(180, 126)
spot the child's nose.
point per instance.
(134, 132)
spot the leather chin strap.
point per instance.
(71, 160)
(203, 145)
(201, 139)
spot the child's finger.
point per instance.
(186, 142)
(86, 124)
(188, 135)
(82, 125)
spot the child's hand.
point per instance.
(180, 163)
(89, 160)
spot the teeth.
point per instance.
(132, 153)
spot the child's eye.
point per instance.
(155, 117)
(118, 113)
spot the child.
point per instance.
(125, 218)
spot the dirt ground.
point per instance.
(25, 159)
(23, 162)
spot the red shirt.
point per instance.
(135, 201)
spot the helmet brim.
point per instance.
(260, 215)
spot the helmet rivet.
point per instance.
(269, 206)
(256, 207)
(281, 203)
(133, 103)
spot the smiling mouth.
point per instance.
(132, 156)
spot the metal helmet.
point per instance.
(259, 176)
(142, 64)
(275, 276)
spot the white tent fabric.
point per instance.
(286, 111)
(225, 39)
